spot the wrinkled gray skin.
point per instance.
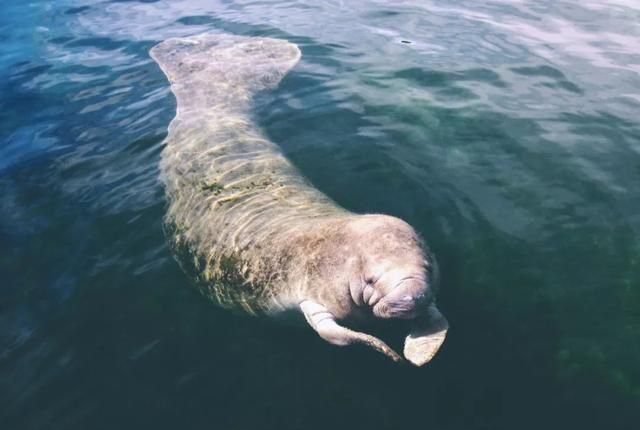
(251, 229)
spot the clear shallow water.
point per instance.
(507, 133)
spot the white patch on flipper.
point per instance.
(422, 344)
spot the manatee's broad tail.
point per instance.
(228, 186)
(198, 67)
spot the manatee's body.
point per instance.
(252, 230)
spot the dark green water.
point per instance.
(506, 132)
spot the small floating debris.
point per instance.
(405, 41)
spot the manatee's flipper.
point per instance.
(325, 324)
(426, 337)
(222, 70)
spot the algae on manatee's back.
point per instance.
(228, 187)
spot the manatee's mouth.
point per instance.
(407, 300)
(404, 308)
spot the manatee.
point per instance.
(255, 234)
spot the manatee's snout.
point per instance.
(404, 301)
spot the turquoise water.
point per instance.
(506, 132)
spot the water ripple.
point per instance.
(506, 132)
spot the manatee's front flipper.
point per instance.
(325, 324)
(428, 333)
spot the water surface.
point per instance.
(506, 132)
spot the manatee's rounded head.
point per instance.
(398, 275)
(397, 279)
